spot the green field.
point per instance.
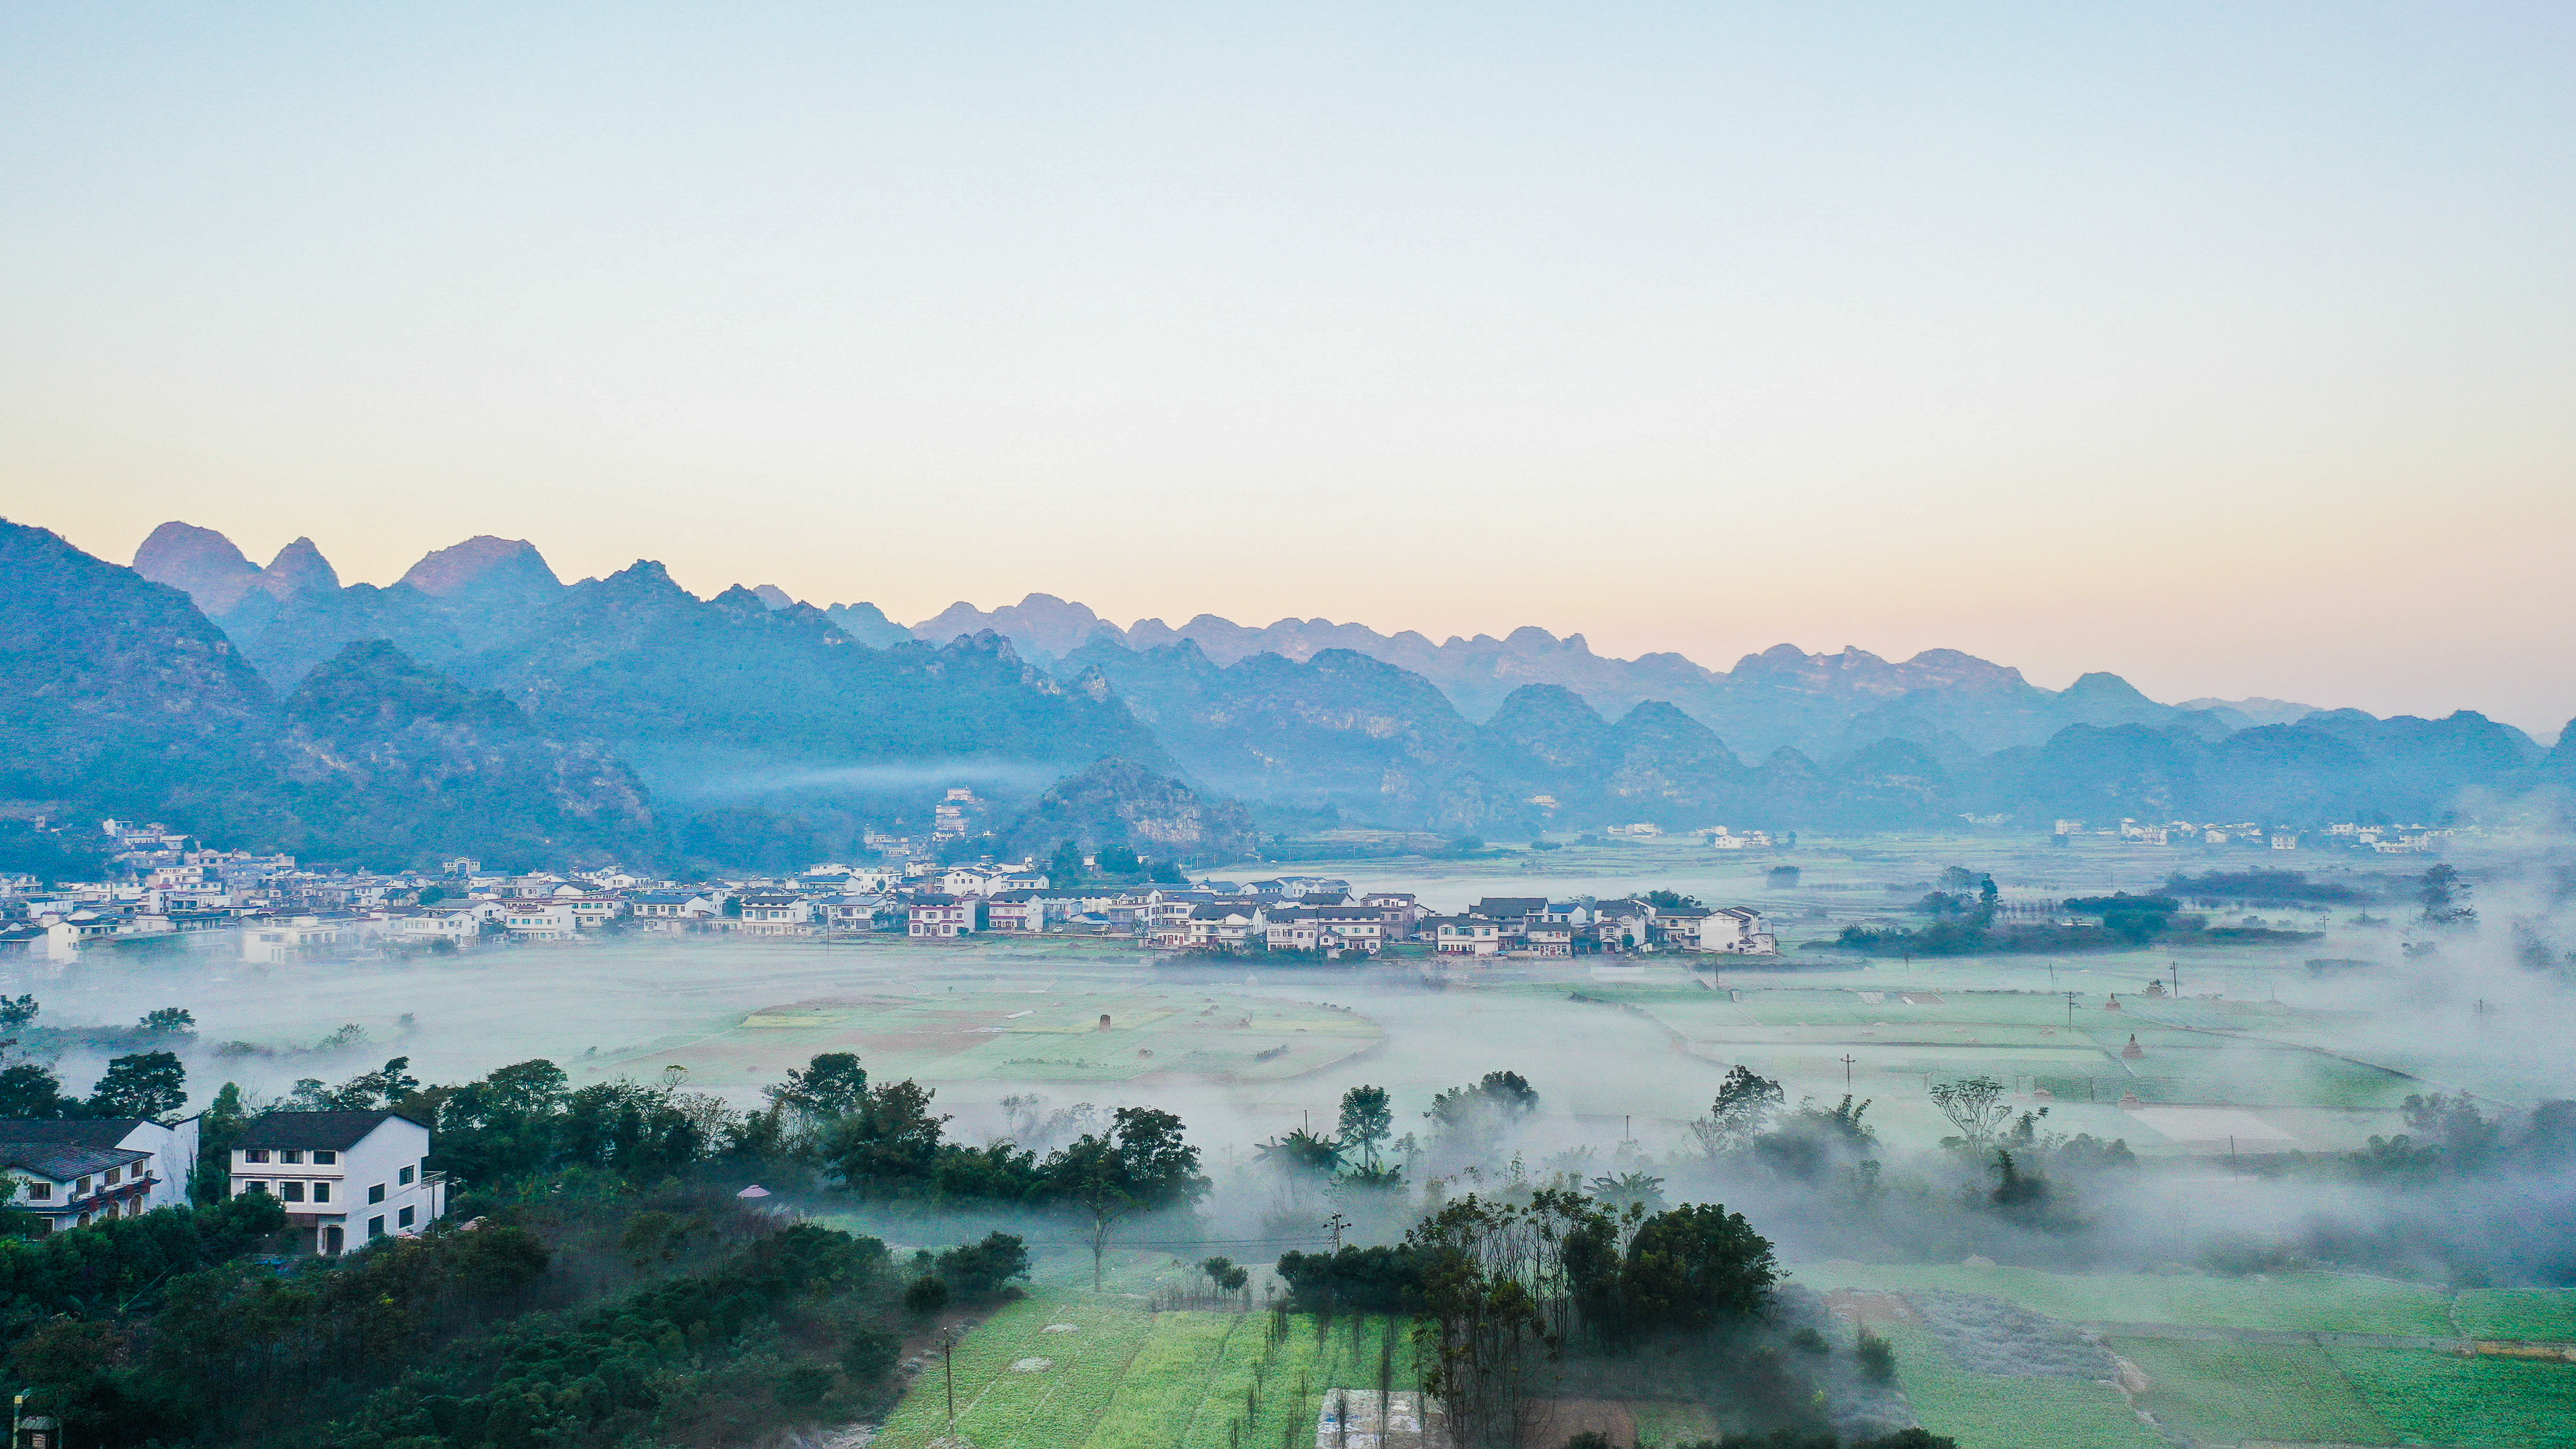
(2473, 1403)
(1991, 1411)
(2546, 1315)
(1125, 1377)
(2224, 1392)
(2304, 1302)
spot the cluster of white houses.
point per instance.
(280, 914)
(344, 1178)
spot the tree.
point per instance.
(1746, 1102)
(1118, 860)
(889, 1147)
(1064, 868)
(1696, 1266)
(1141, 1163)
(1975, 1106)
(2445, 897)
(30, 1093)
(218, 1131)
(1225, 1275)
(146, 1084)
(978, 1270)
(1673, 901)
(1087, 1173)
(169, 1021)
(833, 1084)
(366, 1092)
(504, 1126)
(1366, 1122)
(1468, 1123)
(1302, 1154)
(17, 1011)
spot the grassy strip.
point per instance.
(2307, 1302)
(1991, 1411)
(2474, 1403)
(2229, 1392)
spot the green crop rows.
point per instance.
(2474, 1403)
(2227, 1392)
(2544, 1314)
(1128, 1378)
(1991, 1411)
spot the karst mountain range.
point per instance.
(481, 704)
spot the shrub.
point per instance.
(870, 1353)
(1877, 1356)
(926, 1296)
(803, 1384)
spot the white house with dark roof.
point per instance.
(62, 1185)
(168, 1153)
(348, 1178)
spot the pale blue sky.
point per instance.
(2229, 347)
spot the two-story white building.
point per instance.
(347, 1178)
(73, 1173)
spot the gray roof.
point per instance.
(63, 1163)
(71, 1131)
(317, 1129)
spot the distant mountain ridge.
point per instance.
(1820, 704)
(747, 702)
(786, 728)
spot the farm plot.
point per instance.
(1070, 1369)
(2546, 1315)
(2473, 1403)
(2306, 1302)
(1033, 1033)
(1997, 1411)
(2228, 1393)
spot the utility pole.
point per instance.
(948, 1360)
(1847, 1069)
(2070, 1008)
(1334, 1225)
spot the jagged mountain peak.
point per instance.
(483, 565)
(300, 568)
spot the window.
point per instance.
(255, 1154)
(114, 1176)
(403, 1218)
(81, 1188)
(254, 1187)
(376, 1193)
(324, 1157)
(403, 1176)
(290, 1154)
(375, 1227)
(321, 1192)
(40, 1192)
(290, 1192)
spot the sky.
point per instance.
(2227, 347)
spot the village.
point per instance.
(278, 912)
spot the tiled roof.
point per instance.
(316, 1129)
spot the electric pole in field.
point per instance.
(1847, 1070)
